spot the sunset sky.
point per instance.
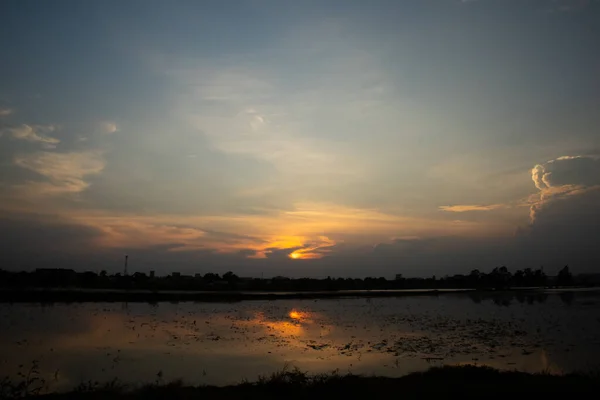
(300, 138)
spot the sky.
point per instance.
(300, 138)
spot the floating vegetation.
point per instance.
(387, 336)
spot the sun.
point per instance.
(295, 256)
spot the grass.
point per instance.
(436, 383)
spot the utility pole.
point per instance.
(125, 270)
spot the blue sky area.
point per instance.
(300, 138)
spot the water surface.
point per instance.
(223, 343)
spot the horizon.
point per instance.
(195, 274)
(321, 138)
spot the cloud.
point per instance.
(567, 170)
(268, 114)
(109, 127)
(470, 207)
(314, 249)
(249, 125)
(140, 232)
(308, 230)
(563, 177)
(5, 112)
(564, 232)
(174, 233)
(64, 172)
(34, 134)
(565, 228)
(224, 85)
(537, 175)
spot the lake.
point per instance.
(224, 343)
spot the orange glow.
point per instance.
(298, 315)
(300, 232)
(288, 329)
(283, 328)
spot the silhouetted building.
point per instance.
(151, 274)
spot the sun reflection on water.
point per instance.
(100, 341)
(299, 316)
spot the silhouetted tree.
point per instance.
(474, 278)
(564, 277)
(518, 278)
(230, 277)
(499, 278)
(528, 277)
(539, 277)
(140, 276)
(211, 277)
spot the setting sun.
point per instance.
(295, 256)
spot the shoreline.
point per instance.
(75, 295)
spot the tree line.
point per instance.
(498, 278)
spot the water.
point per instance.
(223, 343)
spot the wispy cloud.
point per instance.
(34, 134)
(251, 120)
(471, 207)
(273, 115)
(109, 127)
(64, 172)
(146, 232)
(582, 157)
(5, 112)
(314, 249)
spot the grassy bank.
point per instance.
(442, 382)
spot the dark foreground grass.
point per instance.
(437, 383)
